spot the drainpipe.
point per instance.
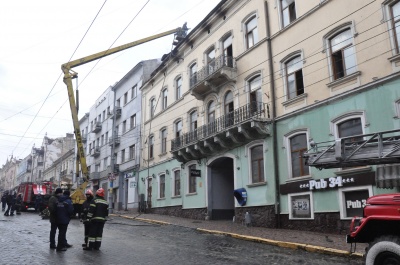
(274, 134)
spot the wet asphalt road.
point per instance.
(25, 240)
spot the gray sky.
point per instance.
(38, 36)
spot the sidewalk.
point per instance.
(334, 244)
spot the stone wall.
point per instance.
(196, 214)
(262, 216)
(322, 222)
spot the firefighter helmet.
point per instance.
(100, 192)
(89, 192)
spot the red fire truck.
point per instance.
(31, 190)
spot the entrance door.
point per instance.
(221, 203)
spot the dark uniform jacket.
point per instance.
(52, 208)
(98, 210)
(64, 210)
(85, 210)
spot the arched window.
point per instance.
(178, 88)
(251, 32)
(294, 77)
(343, 55)
(193, 74)
(255, 93)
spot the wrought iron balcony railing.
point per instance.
(234, 118)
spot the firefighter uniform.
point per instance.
(98, 211)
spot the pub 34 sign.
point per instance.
(333, 182)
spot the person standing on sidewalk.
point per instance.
(98, 211)
(9, 204)
(18, 203)
(53, 220)
(84, 218)
(4, 201)
(64, 210)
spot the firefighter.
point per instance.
(84, 218)
(18, 203)
(98, 211)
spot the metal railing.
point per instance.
(234, 118)
(211, 68)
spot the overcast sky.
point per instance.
(37, 37)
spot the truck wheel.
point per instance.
(384, 251)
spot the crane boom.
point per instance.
(78, 196)
(359, 150)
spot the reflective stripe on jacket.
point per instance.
(98, 210)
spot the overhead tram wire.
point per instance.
(57, 82)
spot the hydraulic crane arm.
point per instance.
(78, 195)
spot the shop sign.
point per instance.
(329, 183)
(355, 202)
(195, 173)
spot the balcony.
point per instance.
(221, 70)
(94, 175)
(96, 128)
(95, 152)
(241, 126)
(117, 140)
(118, 111)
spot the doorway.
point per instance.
(221, 203)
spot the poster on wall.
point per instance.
(301, 206)
(355, 201)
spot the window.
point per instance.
(133, 121)
(294, 77)
(192, 180)
(134, 91)
(118, 103)
(193, 74)
(228, 109)
(151, 147)
(108, 110)
(132, 152)
(288, 9)
(298, 145)
(350, 127)
(300, 206)
(122, 155)
(105, 163)
(152, 107)
(163, 141)
(178, 129)
(123, 126)
(251, 32)
(125, 98)
(228, 51)
(193, 121)
(211, 118)
(395, 24)
(106, 137)
(177, 183)
(342, 54)
(102, 140)
(178, 88)
(352, 201)
(162, 186)
(164, 99)
(210, 61)
(257, 164)
(255, 93)
(104, 115)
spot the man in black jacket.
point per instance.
(53, 220)
(98, 212)
(9, 201)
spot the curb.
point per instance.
(284, 244)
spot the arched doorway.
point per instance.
(221, 203)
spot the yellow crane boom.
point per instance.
(78, 196)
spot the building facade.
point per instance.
(113, 127)
(236, 104)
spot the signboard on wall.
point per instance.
(355, 201)
(335, 182)
(195, 173)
